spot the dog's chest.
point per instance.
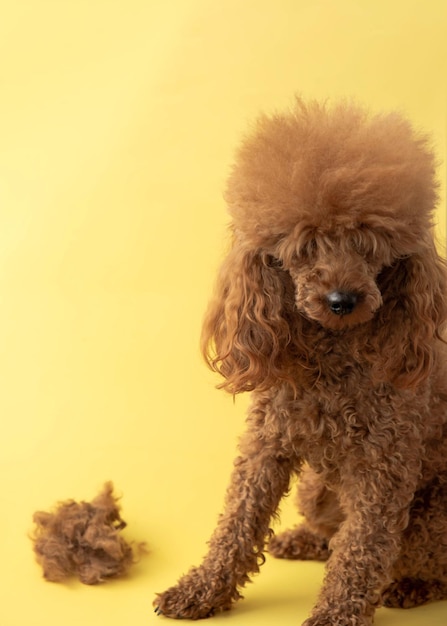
(338, 366)
(338, 418)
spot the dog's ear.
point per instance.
(246, 331)
(412, 316)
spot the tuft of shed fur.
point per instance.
(83, 539)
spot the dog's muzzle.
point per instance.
(342, 302)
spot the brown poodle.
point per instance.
(330, 308)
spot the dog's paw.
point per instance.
(196, 596)
(407, 593)
(178, 603)
(299, 543)
(329, 619)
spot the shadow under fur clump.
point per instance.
(83, 539)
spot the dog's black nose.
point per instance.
(341, 302)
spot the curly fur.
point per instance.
(332, 200)
(83, 539)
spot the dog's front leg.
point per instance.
(259, 480)
(376, 500)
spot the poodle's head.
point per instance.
(331, 217)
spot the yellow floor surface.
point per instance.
(118, 119)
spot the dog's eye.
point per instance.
(369, 244)
(311, 245)
(273, 262)
(361, 249)
(309, 249)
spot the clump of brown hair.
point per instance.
(83, 539)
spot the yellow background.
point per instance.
(118, 120)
